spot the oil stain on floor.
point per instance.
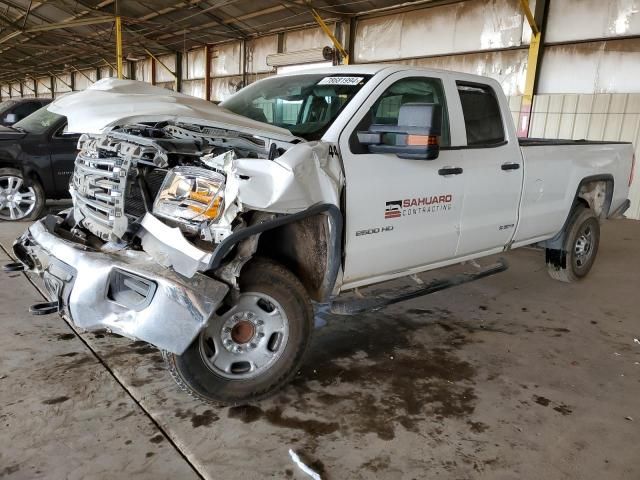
(381, 371)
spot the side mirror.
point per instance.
(10, 118)
(416, 136)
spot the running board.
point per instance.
(361, 305)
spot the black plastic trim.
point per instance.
(542, 142)
(334, 256)
(618, 212)
(557, 241)
(474, 147)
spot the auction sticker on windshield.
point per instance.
(340, 81)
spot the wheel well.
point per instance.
(303, 247)
(593, 192)
(596, 195)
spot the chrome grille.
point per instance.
(102, 182)
(98, 187)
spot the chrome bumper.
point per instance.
(125, 292)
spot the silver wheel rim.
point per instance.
(583, 248)
(17, 201)
(248, 339)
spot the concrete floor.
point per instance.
(512, 377)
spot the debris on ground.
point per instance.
(636, 341)
(305, 468)
(629, 418)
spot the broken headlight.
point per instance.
(190, 196)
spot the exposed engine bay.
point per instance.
(177, 190)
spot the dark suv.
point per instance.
(14, 110)
(36, 161)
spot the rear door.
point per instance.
(400, 213)
(493, 170)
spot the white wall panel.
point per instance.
(80, 82)
(306, 39)
(595, 67)
(162, 75)
(223, 88)
(28, 88)
(508, 67)
(62, 83)
(106, 72)
(143, 70)
(193, 64)
(195, 88)
(44, 87)
(591, 19)
(257, 51)
(459, 27)
(226, 59)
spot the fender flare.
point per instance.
(557, 242)
(334, 254)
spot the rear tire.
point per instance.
(20, 199)
(580, 247)
(253, 349)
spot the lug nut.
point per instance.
(260, 322)
(253, 345)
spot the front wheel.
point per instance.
(580, 247)
(253, 348)
(20, 199)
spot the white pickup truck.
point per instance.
(211, 231)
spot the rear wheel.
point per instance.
(580, 247)
(254, 347)
(20, 199)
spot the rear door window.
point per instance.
(482, 118)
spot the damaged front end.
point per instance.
(164, 217)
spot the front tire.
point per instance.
(255, 347)
(580, 247)
(20, 198)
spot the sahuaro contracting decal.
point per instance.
(417, 206)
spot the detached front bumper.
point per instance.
(126, 292)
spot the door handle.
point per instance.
(510, 166)
(450, 171)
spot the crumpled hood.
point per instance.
(111, 102)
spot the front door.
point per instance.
(400, 214)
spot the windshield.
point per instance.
(6, 105)
(39, 121)
(304, 104)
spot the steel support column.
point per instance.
(537, 23)
(336, 43)
(178, 73)
(207, 72)
(119, 46)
